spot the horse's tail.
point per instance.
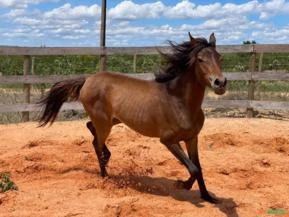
(59, 93)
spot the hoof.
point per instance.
(210, 199)
(103, 173)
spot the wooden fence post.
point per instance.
(134, 62)
(102, 65)
(260, 65)
(102, 40)
(27, 66)
(251, 85)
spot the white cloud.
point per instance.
(23, 33)
(183, 9)
(68, 12)
(27, 21)
(14, 13)
(207, 10)
(78, 24)
(128, 10)
(64, 23)
(186, 9)
(21, 3)
(6, 3)
(245, 8)
(224, 24)
(273, 7)
(273, 35)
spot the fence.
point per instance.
(254, 74)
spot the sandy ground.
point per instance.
(245, 164)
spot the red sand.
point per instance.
(245, 164)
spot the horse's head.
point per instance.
(208, 64)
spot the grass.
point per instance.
(6, 184)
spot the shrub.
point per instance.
(6, 183)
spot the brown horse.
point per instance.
(168, 107)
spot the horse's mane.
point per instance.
(180, 59)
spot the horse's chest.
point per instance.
(185, 126)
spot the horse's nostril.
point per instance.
(217, 82)
(220, 82)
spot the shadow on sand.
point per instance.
(166, 187)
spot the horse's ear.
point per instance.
(212, 40)
(193, 41)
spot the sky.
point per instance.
(76, 23)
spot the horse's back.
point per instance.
(112, 83)
(115, 88)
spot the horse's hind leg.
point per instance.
(102, 152)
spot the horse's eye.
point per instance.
(200, 60)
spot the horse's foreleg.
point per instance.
(183, 158)
(192, 148)
(102, 152)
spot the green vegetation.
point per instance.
(6, 183)
(235, 62)
(48, 65)
(11, 65)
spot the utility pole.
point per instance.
(102, 37)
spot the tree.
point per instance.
(250, 42)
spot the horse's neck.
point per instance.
(197, 93)
(190, 91)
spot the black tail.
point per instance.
(59, 93)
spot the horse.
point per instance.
(167, 107)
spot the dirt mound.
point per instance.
(274, 144)
(221, 140)
(262, 145)
(244, 161)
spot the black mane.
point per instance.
(180, 59)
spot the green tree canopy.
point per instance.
(249, 42)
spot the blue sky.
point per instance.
(141, 23)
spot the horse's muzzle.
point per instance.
(219, 85)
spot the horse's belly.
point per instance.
(146, 128)
(145, 132)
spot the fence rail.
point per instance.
(48, 51)
(252, 76)
(264, 105)
(50, 79)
